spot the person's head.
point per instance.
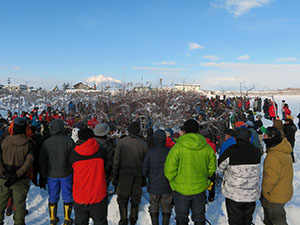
(279, 125)
(101, 130)
(249, 124)
(258, 117)
(20, 125)
(288, 119)
(191, 126)
(229, 133)
(242, 134)
(85, 133)
(272, 137)
(134, 128)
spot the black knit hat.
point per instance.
(20, 125)
(242, 134)
(85, 134)
(191, 126)
(134, 128)
(274, 137)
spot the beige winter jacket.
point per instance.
(277, 184)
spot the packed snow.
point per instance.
(37, 203)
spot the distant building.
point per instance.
(187, 87)
(83, 86)
(138, 89)
(1, 86)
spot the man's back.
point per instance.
(189, 164)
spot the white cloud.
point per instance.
(211, 57)
(266, 75)
(159, 69)
(240, 7)
(101, 78)
(192, 46)
(286, 59)
(243, 57)
(170, 63)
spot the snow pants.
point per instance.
(97, 211)
(164, 200)
(274, 213)
(239, 213)
(183, 203)
(56, 184)
(19, 193)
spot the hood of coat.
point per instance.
(17, 140)
(56, 127)
(87, 148)
(159, 138)
(192, 141)
(284, 146)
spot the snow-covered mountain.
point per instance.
(103, 82)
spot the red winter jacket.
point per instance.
(89, 184)
(287, 111)
(212, 144)
(169, 143)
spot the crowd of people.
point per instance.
(81, 157)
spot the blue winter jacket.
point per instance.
(153, 165)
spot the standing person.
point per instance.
(158, 186)
(277, 183)
(89, 184)
(241, 182)
(101, 131)
(188, 167)
(258, 124)
(55, 170)
(289, 130)
(127, 172)
(16, 157)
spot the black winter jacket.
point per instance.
(55, 152)
(153, 165)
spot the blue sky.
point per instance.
(218, 44)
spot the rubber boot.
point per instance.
(166, 218)
(67, 213)
(154, 218)
(134, 215)
(181, 223)
(199, 223)
(123, 216)
(53, 213)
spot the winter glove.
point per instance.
(211, 196)
(42, 183)
(144, 182)
(11, 178)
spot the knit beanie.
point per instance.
(242, 135)
(191, 126)
(134, 128)
(85, 133)
(274, 137)
(20, 125)
(279, 125)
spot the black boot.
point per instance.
(154, 218)
(181, 223)
(134, 215)
(53, 213)
(166, 218)
(67, 213)
(123, 216)
(199, 223)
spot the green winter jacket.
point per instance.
(189, 164)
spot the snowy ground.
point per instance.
(215, 213)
